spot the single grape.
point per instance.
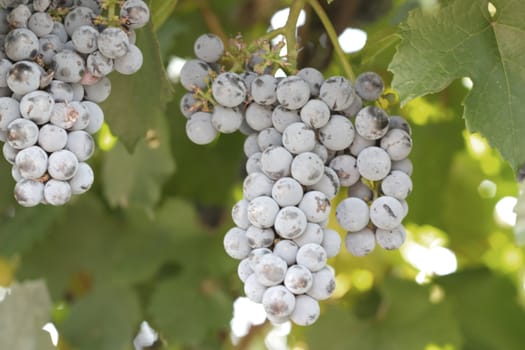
(135, 13)
(373, 163)
(397, 143)
(253, 289)
(269, 137)
(270, 270)
(298, 279)
(323, 285)
(287, 192)
(337, 92)
(37, 106)
(307, 168)
(331, 242)
(61, 91)
(9, 153)
(19, 16)
(209, 48)
(397, 185)
(293, 92)
(78, 92)
(260, 237)
(60, 30)
(354, 108)
(263, 90)
(62, 165)
(360, 143)
(256, 185)
(113, 42)
(236, 244)
(9, 111)
(315, 114)
(83, 179)
(369, 86)
(312, 234)
(57, 192)
(360, 243)
(229, 89)
(199, 128)
(276, 162)
(99, 65)
(386, 212)
(391, 239)
(189, 105)
(81, 144)
(99, 91)
(52, 138)
(240, 214)
(286, 250)
(329, 184)
(83, 115)
(96, 116)
(282, 117)
(29, 193)
(313, 77)
(85, 39)
(251, 145)
(130, 62)
(258, 117)
(397, 122)
(306, 310)
(41, 5)
(316, 206)
(22, 133)
(244, 270)
(226, 120)
(352, 214)
(322, 152)
(21, 44)
(298, 138)
(337, 134)
(24, 77)
(77, 17)
(404, 165)
(360, 190)
(255, 256)
(290, 222)
(372, 123)
(31, 162)
(68, 66)
(345, 166)
(278, 301)
(63, 115)
(262, 211)
(312, 256)
(253, 164)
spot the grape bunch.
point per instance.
(54, 59)
(300, 147)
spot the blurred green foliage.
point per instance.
(146, 242)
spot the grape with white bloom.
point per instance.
(374, 163)
(386, 212)
(40, 23)
(19, 16)
(360, 143)
(113, 42)
(276, 162)
(287, 192)
(360, 243)
(240, 214)
(83, 179)
(251, 145)
(270, 270)
(85, 39)
(49, 46)
(298, 138)
(209, 48)
(372, 123)
(199, 128)
(313, 77)
(290, 222)
(253, 289)
(135, 12)
(61, 91)
(263, 90)
(286, 250)
(329, 184)
(397, 122)
(258, 117)
(323, 285)
(9, 111)
(52, 138)
(298, 279)
(369, 86)
(96, 116)
(130, 62)
(360, 190)
(345, 166)
(316, 206)
(337, 92)
(29, 193)
(256, 185)
(37, 106)
(9, 153)
(244, 270)
(68, 66)
(293, 92)
(282, 117)
(354, 108)
(397, 143)
(255, 256)
(189, 105)
(226, 120)
(253, 164)
(15, 174)
(278, 301)
(322, 152)
(195, 74)
(57, 192)
(312, 256)
(236, 243)
(331, 242)
(307, 168)
(77, 17)
(315, 114)
(81, 144)
(21, 44)
(262, 211)
(352, 214)
(269, 137)
(99, 65)
(62, 165)
(99, 91)
(337, 134)
(260, 237)
(391, 239)
(397, 185)
(22, 133)
(229, 89)
(313, 234)
(31, 162)
(404, 165)
(306, 310)
(24, 77)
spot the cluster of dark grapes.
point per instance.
(300, 147)
(54, 59)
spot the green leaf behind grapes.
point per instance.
(462, 39)
(23, 313)
(161, 10)
(136, 100)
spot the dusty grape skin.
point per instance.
(259, 237)
(312, 234)
(397, 122)
(209, 48)
(77, 17)
(369, 86)
(62, 165)
(316, 206)
(313, 77)
(226, 120)
(360, 243)
(372, 123)
(9, 153)
(24, 77)
(290, 222)
(268, 138)
(397, 185)
(270, 270)
(199, 129)
(386, 212)
(276, 162)
(22, 133)
(21, 44)
(293, 92)
(323, 284)
(306, 311)
(352, 214)
(113, 42)
(81, 144)
(287, 250)
(136, 13)
(361, 191)
(282, 117)
(85, 39)
(130, 62)
(337, 92)
(253, 164)
(374, 163)
(307, 168)
(345, 166)
(251, 145)
(29, 193)
(262, 212)
(331, 242)
(37, 106)
(83, 179)
(229, 89)
(99, 65)
(195, 74)
(258, 117)
(236, 243)
(263, 90)
(57, 192)
(278, 301)
(391, 239)
(298, 138)
(315, 114)
(298, 279)
(256, 185)
(397, 143)
(99, 91)
(240, 214)
(9, 111)
(68, 66)
(404, 165)
(287, 191)
(244, 270)
(52, 138)
(337, 134)
(312, 256)
(253, 289)
(329, 183)
(31, 162)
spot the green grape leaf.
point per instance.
(106, 319)
(135, 180)
(136, 100)
(23, 313)
(486, 307)
(161, 10)
(462, 39)
(405, 319)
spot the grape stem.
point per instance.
(290, 29)
(332, 35)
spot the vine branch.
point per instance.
(290, 29)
